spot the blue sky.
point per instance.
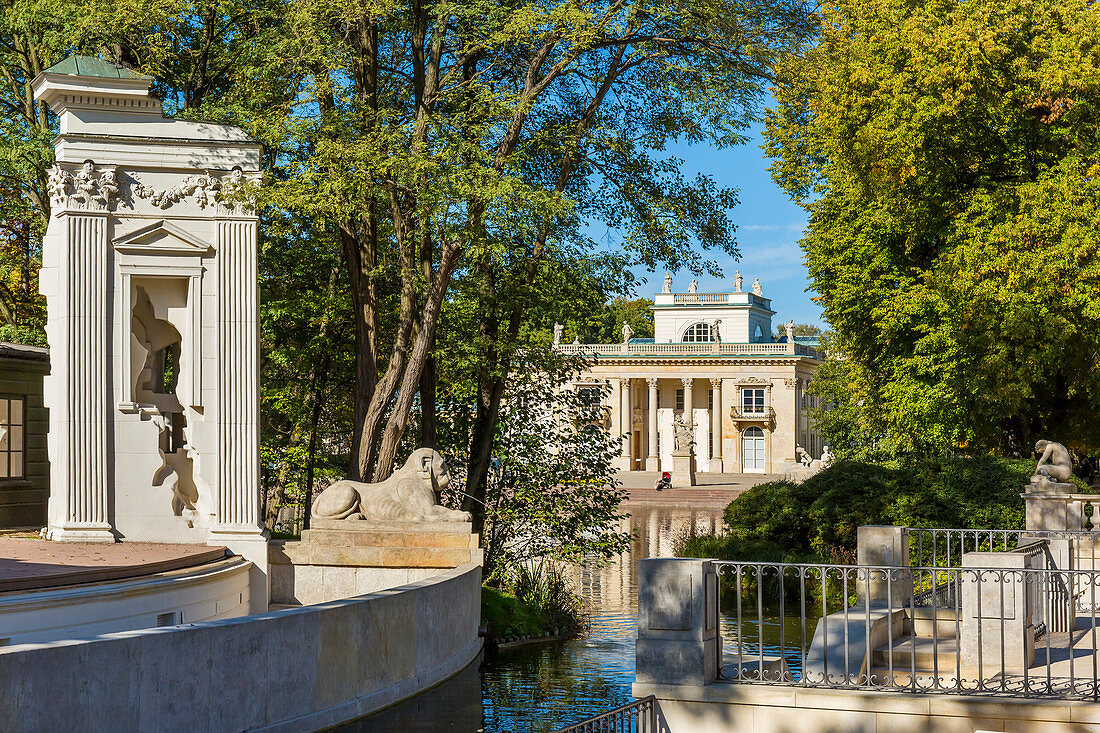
(769, 226)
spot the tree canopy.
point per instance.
(947, 154)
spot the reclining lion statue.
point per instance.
(411, 494)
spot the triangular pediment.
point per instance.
(162, 237)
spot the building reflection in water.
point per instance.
(538, 688)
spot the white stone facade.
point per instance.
(747, 392)
(149, 274)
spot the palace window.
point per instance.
(12, 425)
(590, 396)
(698, 333)
(680, 399)
(752, 401)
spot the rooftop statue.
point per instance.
(667, 287)
(789, 325)
(558, 329)
(756, 287)
(411, 494)
(693, 286)
(1054, 466)
(737, 281)
(714, 331)
(627, 332)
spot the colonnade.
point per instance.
(624, 423)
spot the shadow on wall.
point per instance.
(454, 705)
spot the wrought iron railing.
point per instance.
(639, 716)
(1027, 630)
(945, 547)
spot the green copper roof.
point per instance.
(92, 66)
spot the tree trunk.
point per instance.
(399, 418)
(429, 433)
(311, 453)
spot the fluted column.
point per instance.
(689, 398)
(652, 461)
(716, 426)
(237, 513)
(79, 388)
(238, 388)
(628, 425)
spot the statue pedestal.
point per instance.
(683, 469)
(1049, 506)
(341, 558)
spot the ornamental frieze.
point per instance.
(95, 188)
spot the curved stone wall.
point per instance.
(298, 669)
(216, 590)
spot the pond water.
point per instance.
(539, 688)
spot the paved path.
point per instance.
(33, 563)
(710, 490)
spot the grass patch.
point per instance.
(507, 617)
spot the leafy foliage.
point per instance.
(947, 154)
(819, 518)
(552, 494)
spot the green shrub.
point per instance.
(818, 519)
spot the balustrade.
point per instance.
(684, 349)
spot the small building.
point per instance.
(714, 353)
(24, 423)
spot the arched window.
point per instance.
(698, 333)
(758, 334)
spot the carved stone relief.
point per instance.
(88, 189)
(96, 189)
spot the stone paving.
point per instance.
(27, 563)
(710, 490)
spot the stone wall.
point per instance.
(767, 708)
(216, 590)
(292, 670)
(23, 500)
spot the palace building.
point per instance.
(713, 361)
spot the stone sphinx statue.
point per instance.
(1054, 466)
(411, 494)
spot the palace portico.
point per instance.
(714, 353)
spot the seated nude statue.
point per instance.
(411, 494)
(1054, 464)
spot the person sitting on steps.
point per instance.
(665, 482)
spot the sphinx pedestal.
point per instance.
(344, 558)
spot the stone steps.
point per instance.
(919, 652)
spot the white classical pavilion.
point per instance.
(714, 353)
(149, 273)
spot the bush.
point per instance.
(531, 601)
(819, 518)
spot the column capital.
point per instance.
(624, 383)
(652, 382)
(716, 382)
(689, 382)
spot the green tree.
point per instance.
(947, 154)
(552, 494)
(800, 329)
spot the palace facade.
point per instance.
(714, 361)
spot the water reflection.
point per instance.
(540, 688)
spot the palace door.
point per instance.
(752, 450)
